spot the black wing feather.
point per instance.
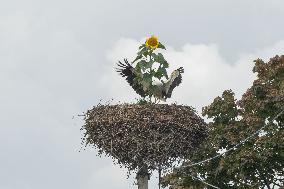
(175, 82)
(126, 70)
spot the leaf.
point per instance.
(159, 75)
(138, 67)
(155, 57)
(141, 46)
(160, 59)
(161, 46)
(137, 58)
(165, 64)
(143, 51)
(146, 81)
(147, 77)
(161, 72)
(144, 65)
(148, 64)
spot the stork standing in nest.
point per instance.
(160, 91)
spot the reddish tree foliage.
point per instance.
(259, 162)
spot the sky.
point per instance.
(57, 60)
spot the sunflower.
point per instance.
(152, 42)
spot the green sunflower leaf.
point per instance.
(146, 81)
(137, 58)
(165, 64)
(161, 46)
(161, 72)
(161, 57)
(143, 51)
(148, 64)
(141, 46)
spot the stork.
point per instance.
(161, 91)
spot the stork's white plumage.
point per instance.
(161, 91)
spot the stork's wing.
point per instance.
(174, 81)
(126, 70)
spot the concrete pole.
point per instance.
(142, 178)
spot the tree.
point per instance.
(259, 162)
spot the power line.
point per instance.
(230, 149)
(235, 146)
(204, 182)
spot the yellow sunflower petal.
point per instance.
(152, 42)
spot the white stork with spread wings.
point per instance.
(161, 91)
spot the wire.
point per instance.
(234, 147)
(230, 149)
(204, 182)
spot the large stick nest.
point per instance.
(135, 135)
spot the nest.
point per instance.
(155, 135)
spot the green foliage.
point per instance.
(161, 46)
(141, 101)
(144, 61)
(259, 163)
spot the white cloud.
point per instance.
(207, 73)
(45, 85)
(53, 66)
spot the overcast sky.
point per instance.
(57, 60)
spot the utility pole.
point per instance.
(142, 178)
